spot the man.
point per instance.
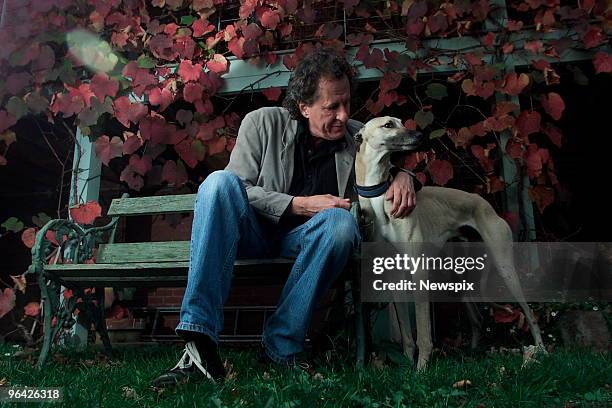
(284, 193)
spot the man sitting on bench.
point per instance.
(280, 196)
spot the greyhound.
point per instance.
(439, 216)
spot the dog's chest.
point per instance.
(381, 226)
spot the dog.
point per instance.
(440, 215)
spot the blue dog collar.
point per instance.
(373, 191)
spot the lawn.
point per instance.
(570, 378)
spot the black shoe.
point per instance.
(193, 367)
(298, 364)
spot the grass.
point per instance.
(563, 379)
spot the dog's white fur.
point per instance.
(438, 216)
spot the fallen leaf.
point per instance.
(462, 384)
(7, 301)
(129, 392)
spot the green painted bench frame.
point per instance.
(145, 264)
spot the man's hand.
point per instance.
(311, 205)
(401, 191)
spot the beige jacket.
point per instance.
(263, 159)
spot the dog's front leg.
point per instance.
(399, 319)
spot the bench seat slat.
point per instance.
(152, 205)
(262, 271)
(168, 251)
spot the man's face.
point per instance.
(329, 113)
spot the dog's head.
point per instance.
(389, 134)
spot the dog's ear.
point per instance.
(358, 138)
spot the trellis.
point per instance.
(243, 77)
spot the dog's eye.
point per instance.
(388, 125)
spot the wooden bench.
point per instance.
(144, 264)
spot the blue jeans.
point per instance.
(225, 227)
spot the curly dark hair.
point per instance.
(304, 81)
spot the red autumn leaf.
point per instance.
(272, 94)
(441, 171)
(553, 133)
(514, 149)
(514, 84)
(170, 29)
(216, 146)
(107, 149)
(32, 309)
(45, 59)
(68, 293)
(162, 97)
(28, 237)
(502, 316)
(462, 138)
(103, 86)
(535, 47)
(133, 180)
(140, 165)
(85, 213)
(483, 89)
(437, 22)
(208, 130)
(174, 174)
(593, 37)
(186, 152)
(514, 25)
(142, 78)
(543, 196)
(415, 26)
(217, 64)
(246, 8)
(162, 47)
(131, 143)
(201, 27)
(541, 64)
(16, 83)
(488, 40)
(270, 19)
(528, 123)
(507, 48)
(495, 184)
(7, 301)
(204, 107)
(192, 92)
(602, 62)
(410, 124)
(482, 155)
(188, 71)
(389, 81)
(504, 108)
(553, 105)
(374, 59)
(473, 59)
(126, 111)
(533, 161)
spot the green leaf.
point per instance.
(423, 119)
(187, 20)
(145, 61)
(12, 224)
(17, 107)
(436, 91)
(41, 219)
(437, 133)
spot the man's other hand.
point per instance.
(401, 191)
(311, 205)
